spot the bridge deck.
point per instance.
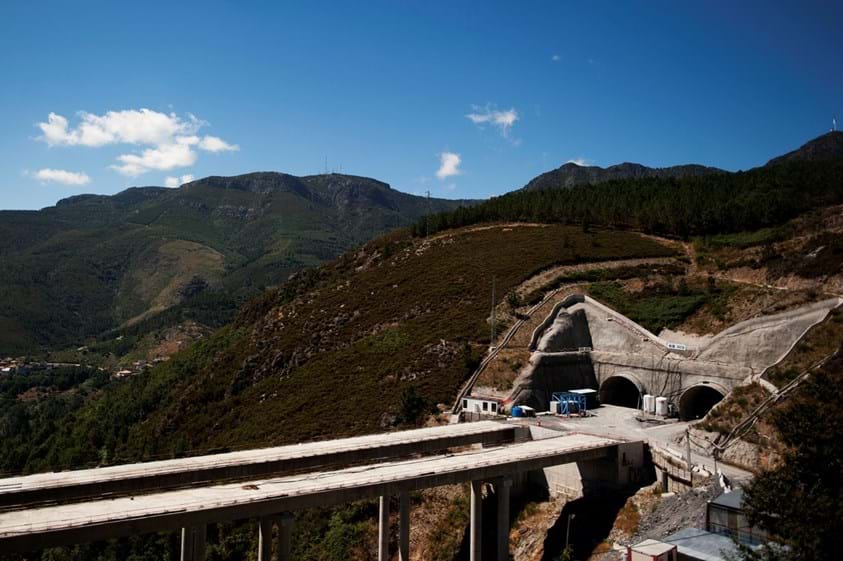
(167, 474)
(108, 518)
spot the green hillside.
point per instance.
(94, 263)
(374, 339)
(679, 206)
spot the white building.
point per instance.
(482, 405)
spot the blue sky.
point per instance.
(487, 94)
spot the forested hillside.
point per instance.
(93, 263)
(680, 207)
(572, 174)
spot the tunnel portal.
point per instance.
(697, 401)
(619, 390)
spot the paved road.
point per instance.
(619, 422)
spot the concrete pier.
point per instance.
(476, 524)
(264, 538)
(502, 492)
(285, 537)
(383, 529)
(193, 543)
(404, 526)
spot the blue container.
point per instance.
(517, 411)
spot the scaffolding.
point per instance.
(570, 403)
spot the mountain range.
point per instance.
(571, 174)
(93, 263)
(824, 147)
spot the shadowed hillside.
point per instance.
(571, 174)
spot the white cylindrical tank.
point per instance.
(649, 404)
(661, 406)
(554, 407)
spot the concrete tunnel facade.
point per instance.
(585, 344)
(621, 389)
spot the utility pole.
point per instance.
(688, 455)
(568, 531)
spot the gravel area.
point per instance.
(672, 513)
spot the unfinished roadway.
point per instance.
(183, 472)
(270, 499)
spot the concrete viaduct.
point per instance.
(54, 509)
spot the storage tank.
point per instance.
(554, 407)
(649, 404)
(661, 406)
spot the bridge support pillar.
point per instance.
(404, 526)
(264, 538)
(476, 524)
(285, 537)
(502, 487)
(193, 543)
(383, 529)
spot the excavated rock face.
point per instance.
(568, 332)
(552, 372)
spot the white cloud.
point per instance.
(165, 157)
(556, 58)
(132, 126)
(503, 120)
(65, 177)
(173, 182)
(216, 144)
(449, 165)
(169, 137)
(582, 162)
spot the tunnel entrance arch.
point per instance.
(621, 390)
(698, 400)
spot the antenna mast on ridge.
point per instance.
(833, 123)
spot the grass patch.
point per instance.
(602, 275)
(655, 308)
(745, 239)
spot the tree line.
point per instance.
(675, 207)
